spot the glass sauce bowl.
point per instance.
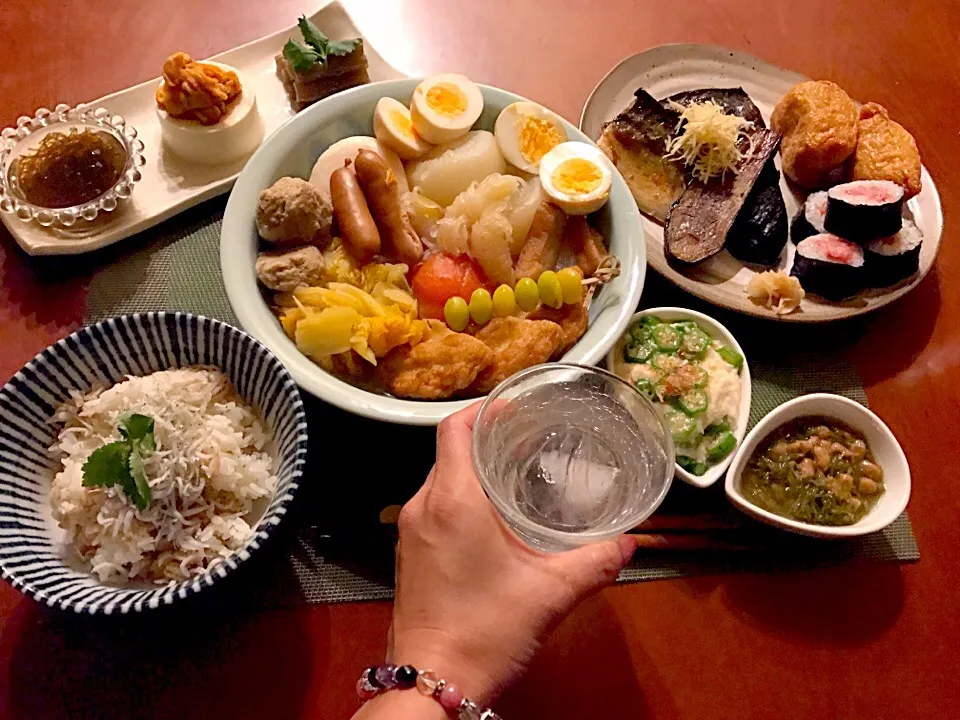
(17, 141)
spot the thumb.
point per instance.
(593, 567)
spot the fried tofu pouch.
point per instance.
(818, 122)
(441, 365)
(572, 320)
(517, 344)
(885, 151)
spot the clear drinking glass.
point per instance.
(571, 455)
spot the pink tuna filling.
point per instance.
(837, 249)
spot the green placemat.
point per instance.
(331, 553)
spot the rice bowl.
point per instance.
(37, 555)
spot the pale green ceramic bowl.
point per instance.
(292, 150)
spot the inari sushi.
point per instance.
(864, 210)
(892, 259)
(829, 266)
(809, 221)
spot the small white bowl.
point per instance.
(887, 451)
(719, 333)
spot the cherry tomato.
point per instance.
(441, 277)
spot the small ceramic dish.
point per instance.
(16, 141)
(887, 451)
(719, 333)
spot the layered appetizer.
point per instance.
(702, 162)
(692, 378)
(207, 113)
(815, 470)
(414, 263)
(318, 67)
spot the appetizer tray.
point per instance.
(721, 279)
(169, 184)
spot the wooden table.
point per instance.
(866, 641)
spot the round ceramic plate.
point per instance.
(721, 279)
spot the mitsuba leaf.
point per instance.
(107, 465)
(141, 488)
(301, 57)
(342, 47)
(313, 36)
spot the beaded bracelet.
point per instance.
(378, 678)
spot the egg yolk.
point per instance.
(447, 99)
(537, 138)
(576, 176)
(401, 121)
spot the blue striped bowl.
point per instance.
(31, 553)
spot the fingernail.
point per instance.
(628, 545)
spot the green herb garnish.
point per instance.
(317, 49)
(301, 57)
(121, 462)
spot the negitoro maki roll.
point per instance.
(829, 266)
(864, 210)
(809, 221)
(892, 259)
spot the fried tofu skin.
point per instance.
(542, 248)
(885, 151)
(441, 365)
(585, 243)
(516, 344)
(818, 122)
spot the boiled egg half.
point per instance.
(394, 128)
(526, 132)
(337, 155)
(576, 177)
(445, 107)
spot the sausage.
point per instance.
(360, 235)
(379, 184)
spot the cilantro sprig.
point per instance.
(317, 48)
(121, 462)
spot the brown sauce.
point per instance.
(71, 168)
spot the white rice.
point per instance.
(815, 210)
(209, 468)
